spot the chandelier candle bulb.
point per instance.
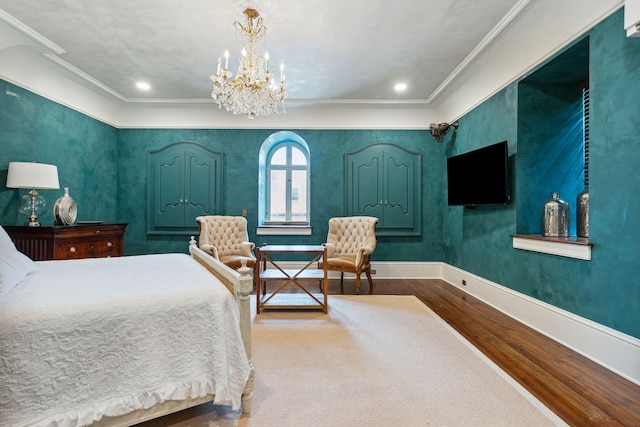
(226, 59)
(266, 61)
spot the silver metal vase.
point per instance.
(65, 210)
(582, 214)
(555, 217)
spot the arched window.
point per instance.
(284, 177)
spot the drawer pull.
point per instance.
(109, 244)
(72, 249)
(97, 231)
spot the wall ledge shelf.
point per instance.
(571, 247)
(283, 230)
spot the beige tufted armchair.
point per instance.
(350, 243)
(226, 238)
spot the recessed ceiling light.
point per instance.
(143, 85)
(399, 87)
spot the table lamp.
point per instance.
(32, 175)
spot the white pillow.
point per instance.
(4, 237)
(14, 267)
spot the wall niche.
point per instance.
(551, 137)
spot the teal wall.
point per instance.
(106, 168)
(106, 171)
(35, 129)
(241, 149)
(476, 240)
(607, 288)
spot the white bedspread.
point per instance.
(82, 339)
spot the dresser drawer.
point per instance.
(88, 249)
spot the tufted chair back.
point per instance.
(350, 242)
(226, 238)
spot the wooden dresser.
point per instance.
(69, 242)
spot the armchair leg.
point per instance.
(341, 286)
(358, 283)
(368, 272)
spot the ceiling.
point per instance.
(333, 51)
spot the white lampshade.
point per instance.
(32, 175)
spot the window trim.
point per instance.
(289, 168)
(269, 146)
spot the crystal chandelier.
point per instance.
(253, 91)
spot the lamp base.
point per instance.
(32, 205)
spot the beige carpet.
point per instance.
(371, 361)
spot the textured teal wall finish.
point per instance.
(607, 288)
(242, 148)
(613, 291)
(475, 240)
(33, 128)
(106, 171)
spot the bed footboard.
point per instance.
(240, 284)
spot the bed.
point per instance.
(117, 341)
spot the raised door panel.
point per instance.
(202, 185)
(169, 182)
(364, 189)
(399, 182)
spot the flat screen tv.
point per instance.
(479, 177)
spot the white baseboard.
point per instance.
(407, 270)
(612, 349)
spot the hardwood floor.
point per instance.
(577, 389)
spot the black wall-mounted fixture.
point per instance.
(438, 131)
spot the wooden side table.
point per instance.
(69, 242)
(268, 269)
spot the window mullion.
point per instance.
(288, 214)
(289, 195)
